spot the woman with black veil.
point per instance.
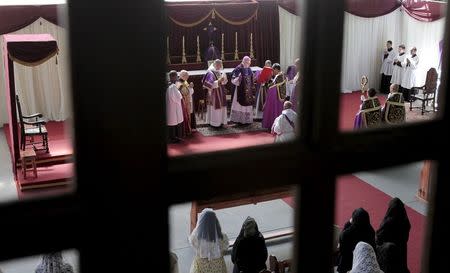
(249, 253)
(395, 229)
(358, 229)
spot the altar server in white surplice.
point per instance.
(409, 78)
(174, 109)
(387, 67)
(214, 81)
(399, 66)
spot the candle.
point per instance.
(223, 49)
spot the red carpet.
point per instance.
(59, 141)
(349, 106)
(54, 168)
(352, 193)
(198, 143)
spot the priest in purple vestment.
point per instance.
(293, 86)
(242, 105)
(276, 96)
(214, 81)
(369, 114)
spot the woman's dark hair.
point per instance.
(210, 223)
(360, 217)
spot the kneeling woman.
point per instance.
(209, 244)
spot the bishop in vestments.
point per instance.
(242, 105)
(216, 108)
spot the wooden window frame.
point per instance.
(124, 174)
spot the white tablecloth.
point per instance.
(226, 70)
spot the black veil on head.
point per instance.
(360, 217)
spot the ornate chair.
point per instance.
(32, 126)
(426, 93)
(394, 109)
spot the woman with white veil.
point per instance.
(53, 263)
(364, 259)
(209, 244)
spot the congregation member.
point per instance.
(395, 229)
(284, 125)
(242, 105)
(174, 109)
(409, 77)
(276, 95)
(388, 256)
(357, 229)
(387, 67)
(393, 112)
(209, 244)
(398, 66)
(249, 252)
(53, 263)
(187, 90)
(369, 114)
(261, 89)
(365, 259)
(214, 82)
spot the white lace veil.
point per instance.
(53, 263)
(364, 259)
(207, 236)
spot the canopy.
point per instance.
(29, 50)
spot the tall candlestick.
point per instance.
(183, 57)
(251, 46)
(198, 51)
(236, 56)
(223, 50)
(168, 53)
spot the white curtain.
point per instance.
(365, 39)
(44, 88)
(290, 37)
(363, 45)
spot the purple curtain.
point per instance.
(421, 10)
(371, 8)
(268, 32)
(13, 18)
(32, 52)
(193, 13)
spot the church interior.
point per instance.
(234, 77)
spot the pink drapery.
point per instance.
(421, 10)
(29, 49)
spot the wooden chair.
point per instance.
(426, 93)
(32, 126)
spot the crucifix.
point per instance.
(211, 29)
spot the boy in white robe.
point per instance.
(409, 77)
(387, 67)
(399, 66)
(284, 125)
(174, 109)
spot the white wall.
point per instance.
(364, 42)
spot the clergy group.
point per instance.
(255, 95)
